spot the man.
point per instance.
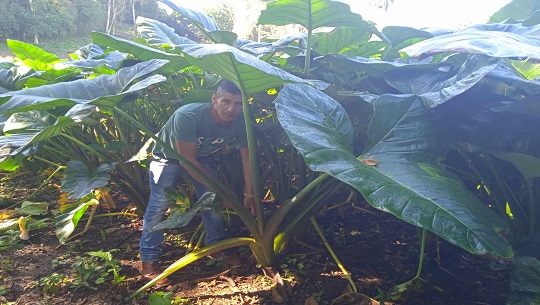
(198, 131)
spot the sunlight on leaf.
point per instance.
(66, 222)
(80, 180)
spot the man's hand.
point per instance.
(249, 203)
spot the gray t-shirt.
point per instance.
(192, 123)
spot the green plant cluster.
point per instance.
(422, 124)
(88, 272)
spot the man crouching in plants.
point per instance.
(198, 131)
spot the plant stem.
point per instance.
(253, 161)
(334, 256)
(90, 219)
(81, 144)
(422, 252)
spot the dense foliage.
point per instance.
(421, 124)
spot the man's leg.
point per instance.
(212, 221)
(162, 175)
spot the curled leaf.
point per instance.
(23, 226)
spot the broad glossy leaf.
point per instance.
(340, 38)
(36, 120)
(221, 36)
(10, 78)
(22, 142)
(158, 33)
(490, 43)
(254, 74)
(311, 14)
(140, 51)
(104, 90)
(201, 20)
(32, 56)
(527, 165)
(407, 181)
(102, 63)
(66, 222)
(33, 208)
(370, 66)
(399, 37)
(179, 218)
(51, 77)
(503, 27)
(80, 180)
(435, 87)
(515, 10)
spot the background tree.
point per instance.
(91, 16)
(51, 19)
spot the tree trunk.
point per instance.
(133, 14)
(110, 4)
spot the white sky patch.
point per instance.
(429, 13)
(414, 13)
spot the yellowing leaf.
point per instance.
(6, 214)
(369, 162)
(23, 226)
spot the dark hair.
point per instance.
(229, 87)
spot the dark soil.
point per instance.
(379, 251)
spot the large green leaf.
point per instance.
(66, 222)
(10, 78)
(30, 120)
(407, 180)
(311, 14)
(490, 43)
(516, 10)
(254, 74)
(105, 90)
(140, 51)
(527, 165)
(180, 217)
(80, 180)
(399, 37)
(201, 20)
(32, 56)
(437, 87)
(158, 33)
(341, 38)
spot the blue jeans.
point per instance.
(165, 174)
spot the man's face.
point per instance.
(226, 106)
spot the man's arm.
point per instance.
(249, 198)
(189, 151)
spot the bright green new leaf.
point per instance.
(407, 180)
(311, 14)
(80, 180)
(32, 56)
(66, 222)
